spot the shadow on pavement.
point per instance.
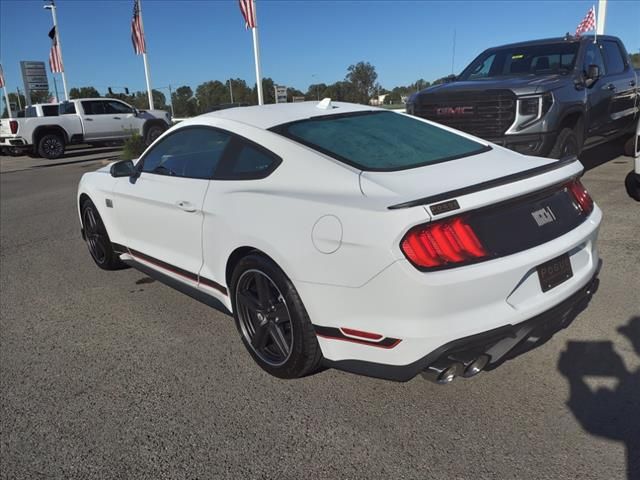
(608, 413)
(601, 154)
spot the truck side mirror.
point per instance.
(593, 73)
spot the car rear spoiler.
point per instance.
(496, 182)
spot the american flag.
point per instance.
(137, 33)
(248, 12)
(588, 23)
(1, 77)
(55, 57)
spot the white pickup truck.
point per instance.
(86, 120)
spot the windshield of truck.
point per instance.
(380, 141)
(541, 59)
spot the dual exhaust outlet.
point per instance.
(445, 369)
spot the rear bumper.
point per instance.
(425, 311)
(13, 142)
(499, 344)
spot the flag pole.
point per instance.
(256, 53)
(6, 95)
(146, 61)
(595, 18)
(52, 7)
(602, 15)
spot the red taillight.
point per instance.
(582, 197)
(13, 125)
(443, 243)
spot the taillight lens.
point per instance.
(444, 243)
(582, 197)
(13, 125)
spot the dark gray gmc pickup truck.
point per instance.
(550, 97)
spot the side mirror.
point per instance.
(593, 73)
(123, 168)
(135, 112)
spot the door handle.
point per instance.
(632, 83)
(88, 119)
(186, 206)
(116, 118)
(611, 87)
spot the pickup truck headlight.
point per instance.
(533, 108)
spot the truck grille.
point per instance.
(485, 114)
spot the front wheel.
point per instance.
(632, 183)
(51, 146)
(272, 321)
(95, 234)
(566, 144)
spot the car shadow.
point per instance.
(596, 156)
(609, 413)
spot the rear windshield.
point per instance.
(380, 141)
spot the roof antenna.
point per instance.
(325, 104)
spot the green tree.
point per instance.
(210, 94)
(83, 92)
(183, 102)
(241, 92)
(363, 78)
(293, 92)
(41, 96)
(268, 91)
(316, 91)
(635, 60)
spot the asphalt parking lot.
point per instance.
(114, 375)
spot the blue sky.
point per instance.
(302, 42)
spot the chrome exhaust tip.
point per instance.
(476, 366)
(443, 372)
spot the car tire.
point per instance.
(153, 132)
(51, 146)
(566, 144)
(97, 238)
(632, 183)
(272, 320)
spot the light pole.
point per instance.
(231, 90)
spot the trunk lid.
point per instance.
(434, 181)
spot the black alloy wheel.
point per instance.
(264, 318)
(97, 239)
(153, 133)
(566, 144)
(51, 146)
(272, 320)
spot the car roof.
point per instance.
(568, 39)
(267, 116)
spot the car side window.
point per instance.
(593, 56)
(117, 107)
(613, 57)
(67, 108)
(93, 107)
(192, 152)
(246, 161)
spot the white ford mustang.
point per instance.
(353, 237)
